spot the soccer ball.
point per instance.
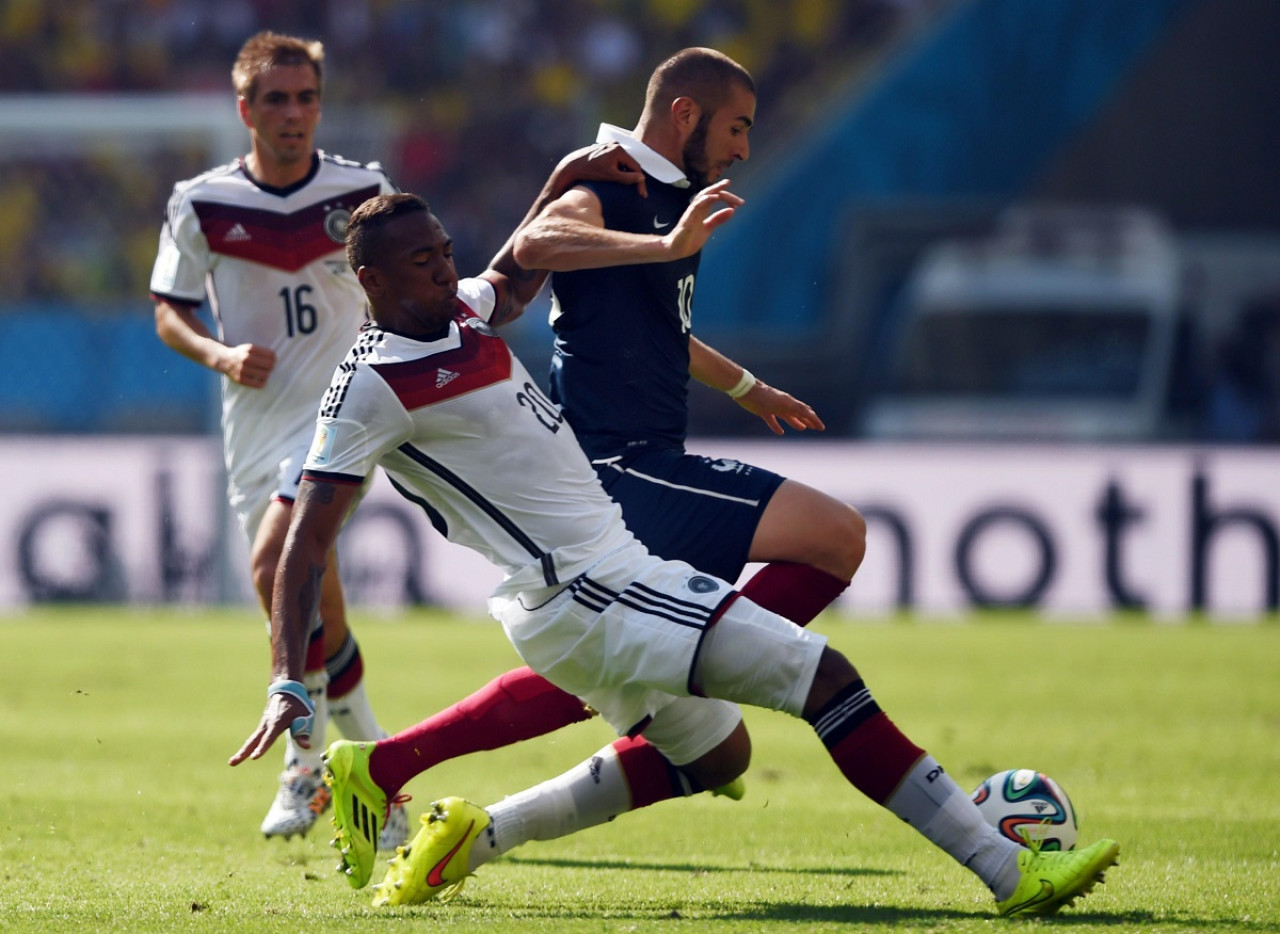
(1027, 805)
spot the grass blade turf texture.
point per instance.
(118, 812)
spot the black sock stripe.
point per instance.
(342, 659)
(844, 713)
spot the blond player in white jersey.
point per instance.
(435, 398)
(262, 239)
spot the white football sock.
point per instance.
(936, 806)
(353, 716)
(591, 793)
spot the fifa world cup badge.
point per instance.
(321, 446)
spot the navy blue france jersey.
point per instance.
(620, 369)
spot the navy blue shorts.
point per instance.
(686, 507)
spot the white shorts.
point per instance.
(628, 637)
(250, 495)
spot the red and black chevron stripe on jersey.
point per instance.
(285, 241)
(481, 361)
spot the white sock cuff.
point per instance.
(353, 715)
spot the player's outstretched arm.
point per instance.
(712, 368)
(606, 162)
(317, 517)
(571, 234)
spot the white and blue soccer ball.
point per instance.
(1025, 806)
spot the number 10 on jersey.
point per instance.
(684, 299)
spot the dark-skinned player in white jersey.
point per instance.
(625, 257)
(262, 239)
(432, 395)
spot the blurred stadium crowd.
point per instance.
(480, 98)
(467, 102)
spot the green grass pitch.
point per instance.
(118, 812)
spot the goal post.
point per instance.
(43, 124)
(84, 182)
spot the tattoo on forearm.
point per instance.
(309, 595)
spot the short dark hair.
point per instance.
(271, 49)
(702, 74)
(364, 229)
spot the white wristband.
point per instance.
(743, 386)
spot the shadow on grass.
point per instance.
(1132, 920)
(696, 867)
(782, 913)
(898, 916)
(772, 913)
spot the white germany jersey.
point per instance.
(272, 263)
(462, 430)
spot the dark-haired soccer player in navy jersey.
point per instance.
(624, 270)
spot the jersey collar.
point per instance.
(400, 348)
(658, 166)
(287, 189)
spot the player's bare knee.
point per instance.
(835, 672)
(855, 540)
(723, 764)
(846, 542)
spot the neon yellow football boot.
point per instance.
(434, 864)
(1054, 879)
(359, 808)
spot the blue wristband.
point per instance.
(301, 727)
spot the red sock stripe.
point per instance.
(875, 757)
(650, 776)
(515, 706)
(797, 591)
(314, 660)
(346, 668)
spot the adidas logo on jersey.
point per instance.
(444, 378)
(237, 232)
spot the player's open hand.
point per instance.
(777, 407)
(282, 710)
(709, 209)
(248, 364)
(603, 162)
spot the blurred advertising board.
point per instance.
(1066, 530)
